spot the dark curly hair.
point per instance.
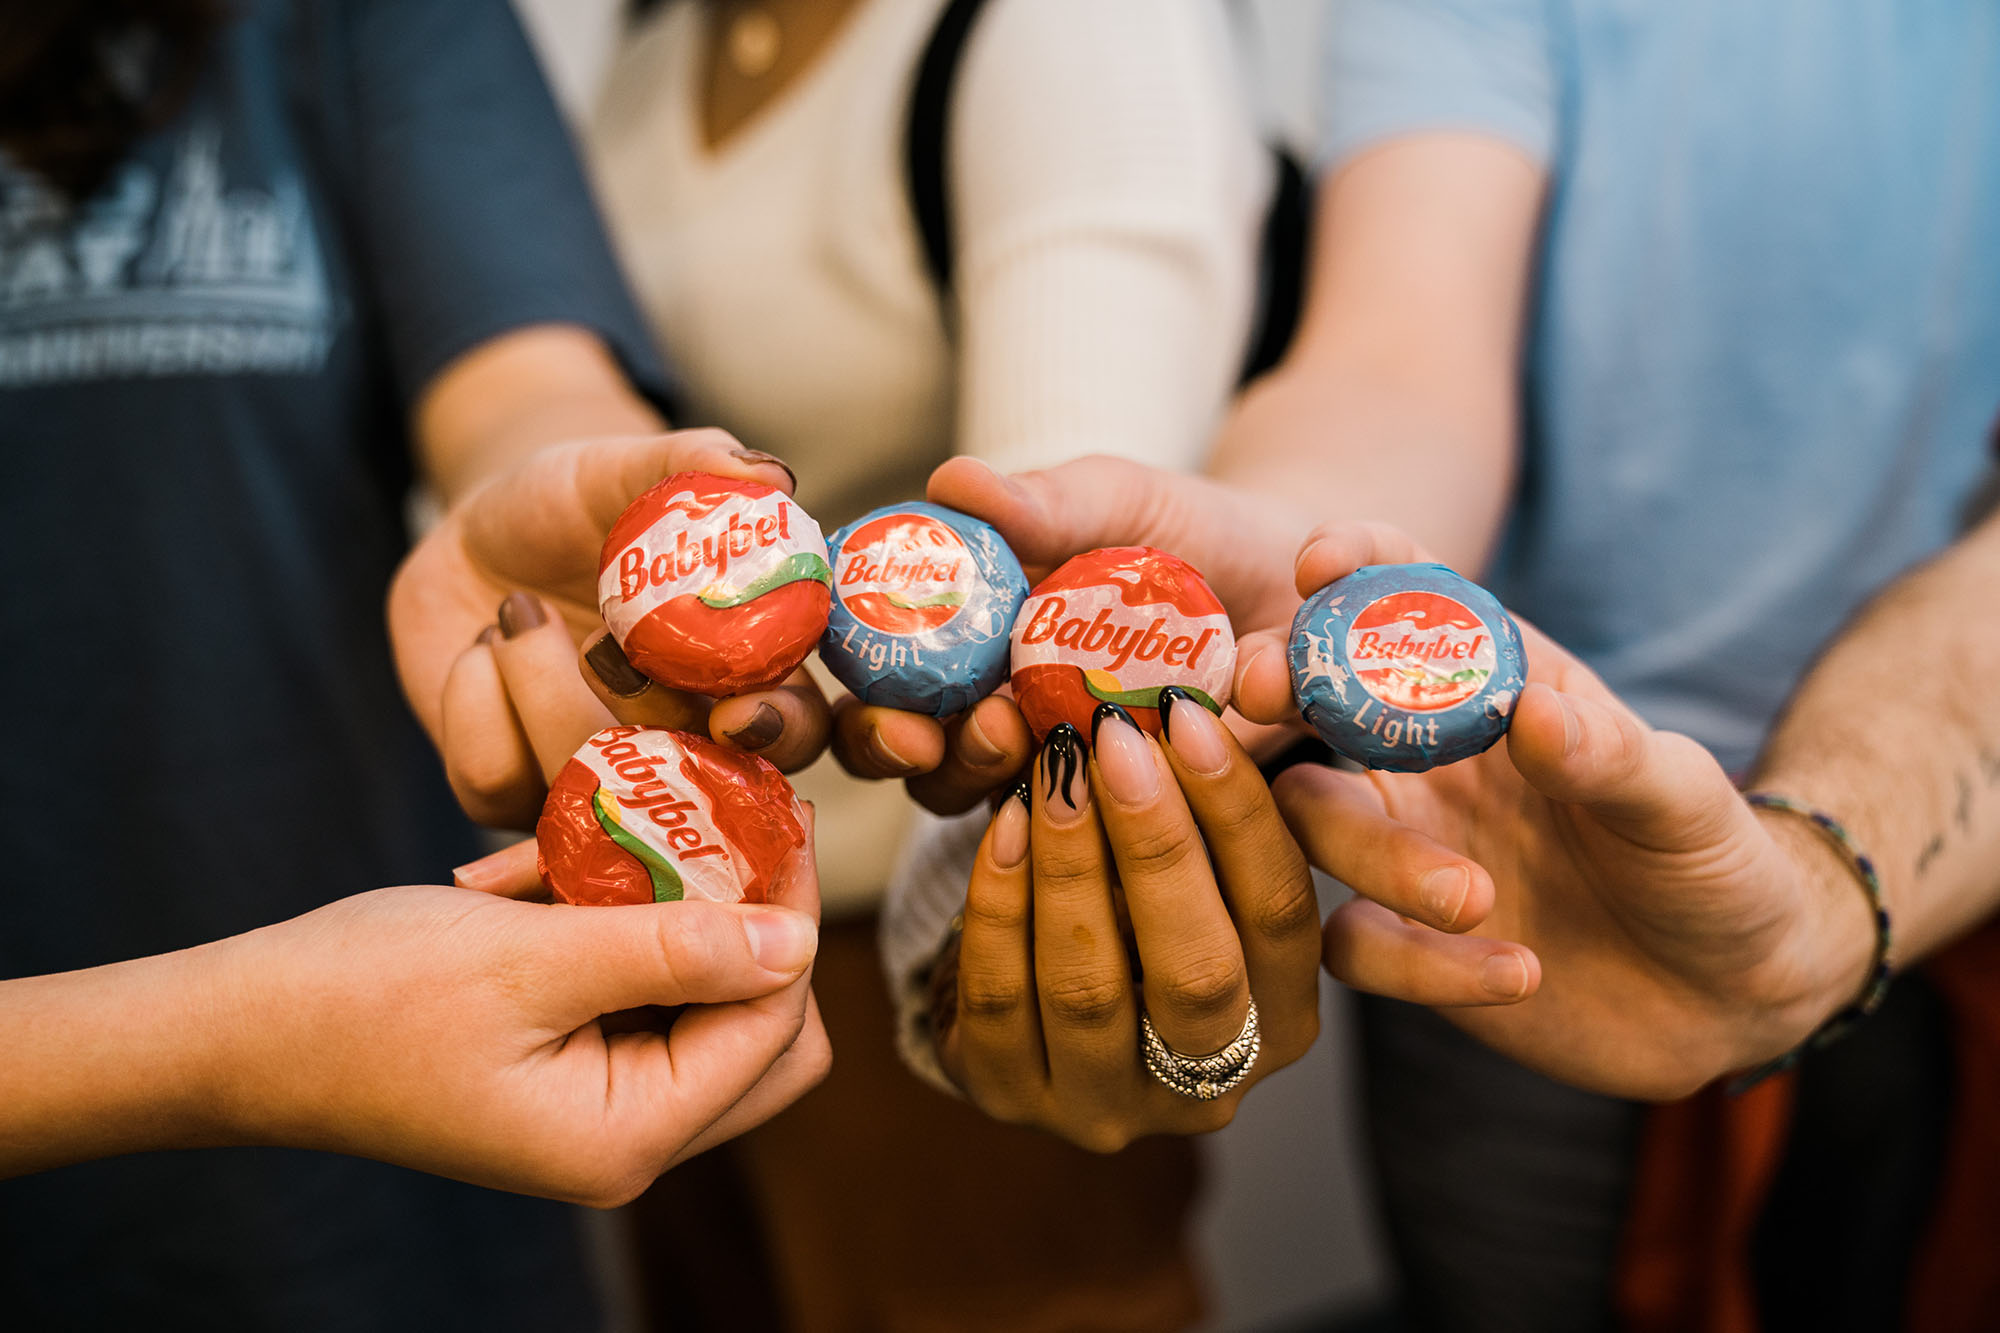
(81, 79)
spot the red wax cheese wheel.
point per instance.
(715, 585)
(644, 815)
(1117, 626)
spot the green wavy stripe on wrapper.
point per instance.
(949, 597)
(666, 879)
(795, 568)
(1150, 696)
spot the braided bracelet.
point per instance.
(1879, 973)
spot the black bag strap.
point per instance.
(926, 140)
(927, 135)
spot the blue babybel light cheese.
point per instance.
(1406, 667)
(924, 600)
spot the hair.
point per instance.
(82, 80)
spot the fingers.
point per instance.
(511, 872)
(1258, 864)
(556, 710)
(994, 1047)
(1658, 789)
(1335, 550)
(610, 475)
(986, 748)
(487, 757)
(788, 726)
(1370, 948)
(1340, 821)
(1088, 1011)
(631, 696)
(801, 1068)
(1262, 691)
(678, 1088)
(606, 959)
(879, 743)
(1196, 987)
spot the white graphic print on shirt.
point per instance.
(190, 276)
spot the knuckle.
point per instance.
(1289, 909)
(1068, 864)
(997, 912)
(988, 997)
(1155, 851)
(1204, 988)
(1086, 1001)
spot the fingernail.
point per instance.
(759, 456)
(520, 613)
(609, 662)
(974, 746)
(1194, 733)
(1010, 831)
(886, 755)
(1123, 757)
(488, 635)
(765, 725)
(781, 941)
(1063, 785)
(1504, 975)
(1572, 729)
(1442, 892)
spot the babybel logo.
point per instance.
(1420, 651)
(1095, 629)
(743, 532)
(904, 574)
(639, 784)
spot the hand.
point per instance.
(1104, 883)
(463, 1034)
(488, 612)
(1243, 546)
(1590, 897)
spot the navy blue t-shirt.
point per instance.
(206, 371)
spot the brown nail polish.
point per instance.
(765, 725)
(520, 613)
(612, 667)
(487, 635)
(759, 456)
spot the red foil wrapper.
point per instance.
(643, 815)
(1118, 626)
(714, 585)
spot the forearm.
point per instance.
(1399, 400)
(111, 1060)
(509, 397)
(1896, 731)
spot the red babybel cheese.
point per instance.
(715, 585)
(643, 815)
(1118, 626)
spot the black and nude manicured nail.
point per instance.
(1010, 831)
(1124, 758)
(1063, 782)
(759, 456)
(1192, 732)
(520, 613)
(765, 725)
(611, 666)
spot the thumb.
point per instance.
(1241, 543)
(1658, 789)
(606, 959)
(610, 474)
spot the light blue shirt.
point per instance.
(1764, 357)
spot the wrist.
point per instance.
(1829, 953)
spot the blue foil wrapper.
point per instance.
(924, 600)
(1406, 667)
